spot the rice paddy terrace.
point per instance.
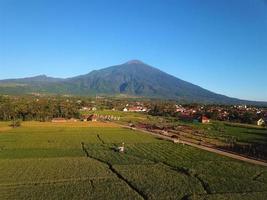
(79, 161)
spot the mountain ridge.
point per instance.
(133, 78)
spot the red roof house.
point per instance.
(204, 120)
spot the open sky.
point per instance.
(219, 45)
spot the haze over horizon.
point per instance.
(220, 46)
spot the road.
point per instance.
(220, 152)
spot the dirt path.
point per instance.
(220, 152)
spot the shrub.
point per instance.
(16, 123)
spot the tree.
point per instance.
(15, 123)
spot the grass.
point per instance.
(241, 133)
(48, 161)
(78, 124)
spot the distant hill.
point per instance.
(133, 78)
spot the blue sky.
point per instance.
(219, 45)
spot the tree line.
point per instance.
(41, 108)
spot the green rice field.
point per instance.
(79, 161)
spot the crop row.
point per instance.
(160, 182)
(23, 171)
(218, 174)
(96, 189)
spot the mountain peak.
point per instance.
(134, 62)
(40, 76)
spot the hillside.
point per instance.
(133, 78)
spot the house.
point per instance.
(125, 109)
(84, 108)
(94, 109)
(73, 120)
(204, 120)
(84, 118)
(144, 109)
(137, 109)
(92, 118)
(179, 109)
(261, 122)
(58, 120)
(134, 109)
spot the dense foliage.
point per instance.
(43, 109)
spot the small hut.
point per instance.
(121, 148)
(204, 119)
(260, 122)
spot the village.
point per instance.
(235, 113)
(185, 112)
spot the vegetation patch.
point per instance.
(52, 162)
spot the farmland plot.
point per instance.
(84, 189)
(66, 178)
(182, 171)
(160, 182)
(55, 162)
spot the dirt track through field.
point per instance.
(220, 152)
(100, 139)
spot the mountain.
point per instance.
(32, 80)
(133, 78)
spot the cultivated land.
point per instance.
(77, 160)
(242, 139)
